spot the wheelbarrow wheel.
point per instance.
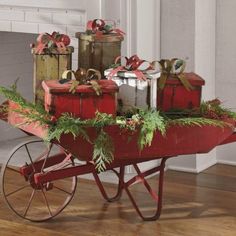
(27, 199)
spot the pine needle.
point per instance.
(103, 151)
(151, 122)
(197, 121)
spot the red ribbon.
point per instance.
(98, 27)
(132, 64)
(43, 40)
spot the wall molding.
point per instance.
(225, 162)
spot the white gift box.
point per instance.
(134, 92)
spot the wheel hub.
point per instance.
(33, 184)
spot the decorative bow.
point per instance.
(173, 68)
(99, 27)
(132, 64)
(82, 77)
(50, 42)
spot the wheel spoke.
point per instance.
(15, 191)
(12, 169)
(26, 147)
(45, 160)
(63, 190)
(22, 193)
(29, 203)
(46, 201)
(41, 156)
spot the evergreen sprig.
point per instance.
(103, 150)
(146, 122)
(151, 122)
(197, 121)
(215, 109)
(67, 124)
(101, 120)
(30, 111)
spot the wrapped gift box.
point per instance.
(84, 102)
(134, 92)
(144, 94)
(98, 52)
(100, 45)
(176, 96)
(49, 67)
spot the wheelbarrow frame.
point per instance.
(58, 163)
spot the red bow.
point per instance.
(132, 64)
(99, 27)
(43, 40)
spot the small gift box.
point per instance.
(52, 55)
(137, 88)
(100, 45)
(81, 99)
(178, 90)
(166, 89)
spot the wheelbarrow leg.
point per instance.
(118, 194)
(156, 197)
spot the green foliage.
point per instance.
(67, 124)
(151, 122)
(197, 121)
(101, 120)
(230, 113)
(32, 112)
(215, 110)
(103, 150)
(146, 122)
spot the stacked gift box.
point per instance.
(134, 83)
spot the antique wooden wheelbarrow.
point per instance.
(38, 180)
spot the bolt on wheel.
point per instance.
(31, 201)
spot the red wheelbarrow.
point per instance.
(39, 181)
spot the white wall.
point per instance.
(177, 30)
(205, 56)
(148, 29)
(188, 32)
(15, 62)
(20, 23)
(225, 66)
(177, 40)
(205, 30)
(47, 16)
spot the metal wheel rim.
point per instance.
(3, 169)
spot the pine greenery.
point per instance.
(216, 107)
(145, 122)
(67, 124)
(151, 122)
(32, 112)
(197, 121)
(103, 150)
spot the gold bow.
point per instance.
(83, 76)
(172, 68)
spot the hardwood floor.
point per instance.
(203, 205)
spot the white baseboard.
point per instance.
(211, 162)
(192, 170)
(225, 162)
(184, 169)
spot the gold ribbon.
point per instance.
(83, 77)
(172, 68)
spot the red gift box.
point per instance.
(176, 96)
(83, 103)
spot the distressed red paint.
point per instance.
(83, 103)
(176, 96)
